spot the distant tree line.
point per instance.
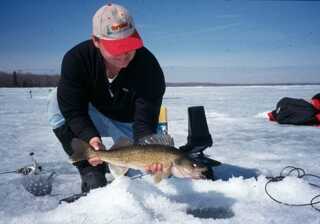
(18, 79)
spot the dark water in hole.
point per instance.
(211, 213)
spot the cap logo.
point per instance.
(119, 26)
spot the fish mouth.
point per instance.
(196, 174)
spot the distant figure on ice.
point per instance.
(30, 93)
(297, 111)
(110, 86)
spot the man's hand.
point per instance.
(154, 168)
(96, 143)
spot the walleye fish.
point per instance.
(122, 156)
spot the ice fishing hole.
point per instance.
(211, 213)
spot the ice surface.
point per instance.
(248, 144)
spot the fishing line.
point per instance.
(139, 176)
(23, 170)
(6, 172)
(300, 173)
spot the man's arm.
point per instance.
(147, 106)
(146, 117)
(73, 98)
(150, 88)
(73, 102)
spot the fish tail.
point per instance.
(81, 150)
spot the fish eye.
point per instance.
(194, 165)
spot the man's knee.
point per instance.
(65, 135)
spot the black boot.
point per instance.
(91, 176)
(199, 137)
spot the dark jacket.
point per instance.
(134, 96)
(294, 111)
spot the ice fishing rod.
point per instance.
(300, 174)
(138, 176)
(34, 168)
(33, 179)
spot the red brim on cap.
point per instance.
(118, 47)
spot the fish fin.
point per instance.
(121, 142)
(164, 174)
(157, 177)
(158, 139)
(81, 150)
(167, 172)
(117, 171)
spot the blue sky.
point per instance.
(193, 41)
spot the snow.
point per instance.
(250, 147)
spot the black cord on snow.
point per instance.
(300, 174)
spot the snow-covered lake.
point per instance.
(250, 147)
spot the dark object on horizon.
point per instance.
(15, 79)
(296, 111)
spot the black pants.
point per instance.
(91, 176)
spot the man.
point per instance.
(110, 86)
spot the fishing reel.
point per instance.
(34, 168)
